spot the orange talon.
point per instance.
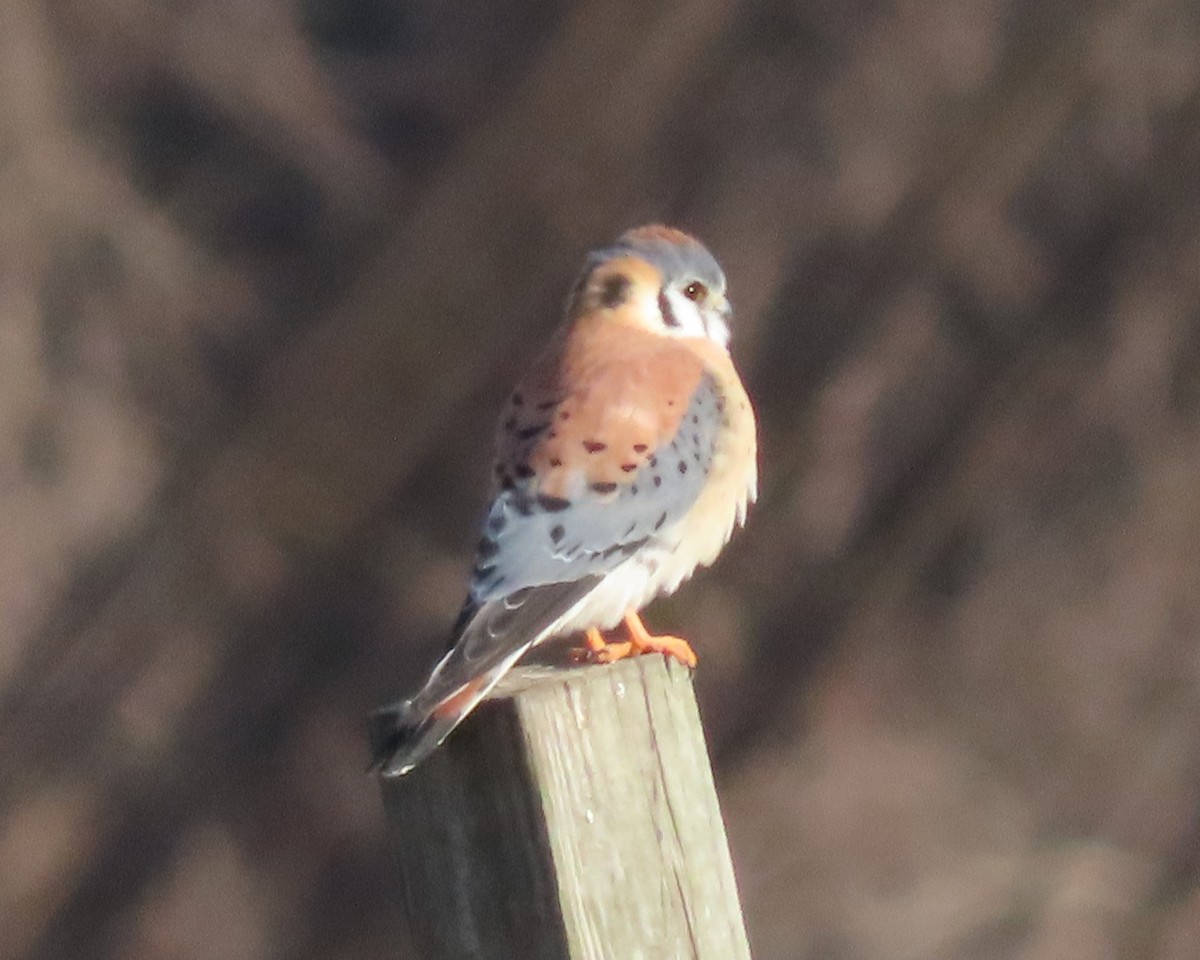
(598, 650)
(642, 641)
(613, 652)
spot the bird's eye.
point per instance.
(695, 291)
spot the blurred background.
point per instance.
(267, 269)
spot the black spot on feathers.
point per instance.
(486, 548)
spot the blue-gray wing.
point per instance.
(531, 540)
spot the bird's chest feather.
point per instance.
(597, 408)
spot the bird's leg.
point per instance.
(595, 640)
(642, 641)
(598, 650)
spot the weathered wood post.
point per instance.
(572, 819)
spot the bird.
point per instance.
(625, 459)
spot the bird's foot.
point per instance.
(642, 641)
(596, 649)
(614, 651)
(675, 647)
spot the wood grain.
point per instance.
(575, 818)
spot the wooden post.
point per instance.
(573, 819)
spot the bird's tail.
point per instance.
(405, 733)
(495, 637)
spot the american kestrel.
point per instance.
(623, 462)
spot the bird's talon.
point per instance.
(607, 653)
(594, 649)
(643, 641)
(675, 647)
(613, 652)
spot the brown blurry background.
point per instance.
(266, 271)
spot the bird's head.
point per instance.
(657, 278)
